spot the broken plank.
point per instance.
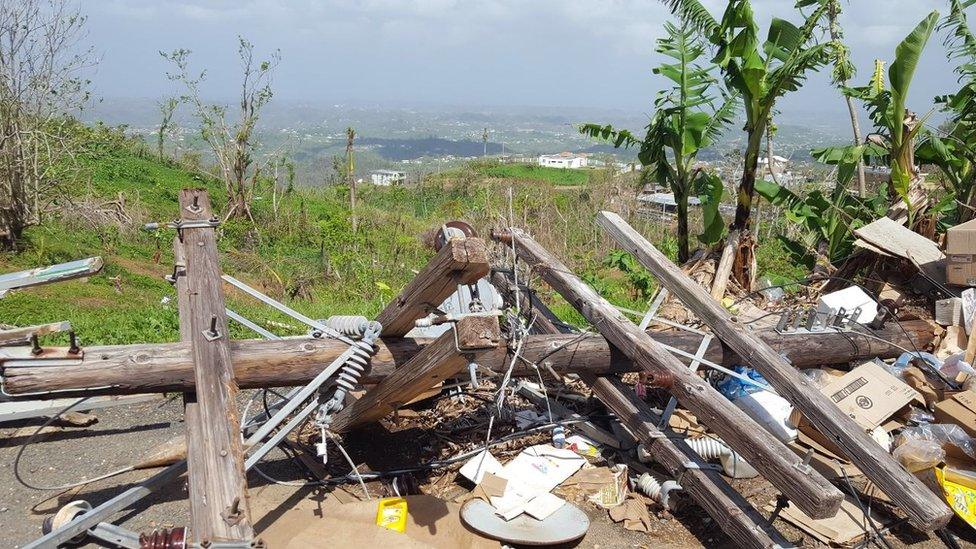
(925, 509)
(50, 274)
(448, 355)
(218, 488)
(779, 465)
(16, 336)
(898, 240)
(460, 261)
(168, 367)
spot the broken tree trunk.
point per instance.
(447, 356)
(925, 509)
(218, 487)
(784, 469)
(724, 268)
(460, 261)
(168, 367)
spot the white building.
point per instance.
(563, 160)
(386, 178)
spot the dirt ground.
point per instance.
(125, 434)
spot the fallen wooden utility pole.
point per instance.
(168, 367)
(784, 469)
(925, 509)
(734, 515)
(732, 512)
(460, 261)
(447, 356)
(219, 506)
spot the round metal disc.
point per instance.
(566, 524)
(454, 228)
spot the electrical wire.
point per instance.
(30, 440)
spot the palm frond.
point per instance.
(694, 13)
(790, 75)
(722, 117)
(618, 138)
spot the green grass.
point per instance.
(554, 176)
(307, 255)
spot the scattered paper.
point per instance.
(476, 467)
(535, 471)
(543, 505)
(582, 446)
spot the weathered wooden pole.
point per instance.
(732, 512)
(734, 515)
(168, 367)
(447, 356)
(925, 509)
(460, 261)
(217, 484)
(804, 486)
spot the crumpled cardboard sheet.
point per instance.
(633, 513)
(431, 523)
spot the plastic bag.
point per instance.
(733, 387)
(916, 454)
(919, 416)
(955, 364)
(940, 434)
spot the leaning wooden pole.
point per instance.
(460, 261)
(732, 512)
(924, 508)
(218, 486)
(446, 357)
(736, 516)
(784, 469)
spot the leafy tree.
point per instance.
(896, 127)
(760, 73)
(685, 122)
(825, 221)
(951, 147)
(43, 59)
(231, 141)
(167, 108)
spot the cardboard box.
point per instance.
(961, 254)
(960, 409)
(869, 395)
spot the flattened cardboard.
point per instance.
(960, 409)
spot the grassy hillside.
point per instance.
(306, 255)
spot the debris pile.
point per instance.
(835, 411)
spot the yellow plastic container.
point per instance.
(959, 488)
(391, 513)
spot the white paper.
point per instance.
(544, 505)
(476, 467)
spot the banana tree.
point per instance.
(760, 73)
(896, 127)
(686, 120)
(951, 149)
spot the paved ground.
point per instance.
(123, 435)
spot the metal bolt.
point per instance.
(35, 346)
(73, 348)
(213, 326)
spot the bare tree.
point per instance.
(231, 141)
(167, 108)
(351, 174)
(42, 61)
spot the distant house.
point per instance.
(563, 160)
(386, 178)
(780, 165)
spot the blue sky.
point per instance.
(557, 53)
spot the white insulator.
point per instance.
(709, 448)
(655, 489)
(732, 463)
(348, 325)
